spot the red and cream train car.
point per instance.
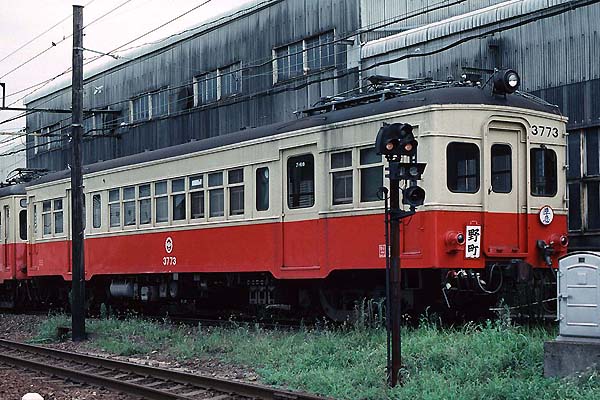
(287, 215)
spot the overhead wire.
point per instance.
(41, 34)
(372, 27)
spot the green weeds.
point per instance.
(494, 360)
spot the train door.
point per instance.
(300, 222)
(505, 217)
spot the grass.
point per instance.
(494, 360)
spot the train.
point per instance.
(289, 217)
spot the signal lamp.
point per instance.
(396, 140)
(406, 171)
(413, 196)
(506, 81)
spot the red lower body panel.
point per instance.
(305, 249)
(13, 261)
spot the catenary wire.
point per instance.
(387, 22)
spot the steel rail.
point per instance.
(232, 388)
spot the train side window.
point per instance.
(301, 181)
(145, 204)
(371, 175)
(96, 211)
(161, 201)
(543, 172)
(262, 189)
(501, 168)
(47, 217)
(196, 197)
(235, 182)
(23, 224)
(341, 177)
(216, 199)
(462, 163)
(58, 216)
(129, 206)
(114, 207)
(178, 199)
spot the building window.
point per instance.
(96, 211)
(129, 212)
(54, 136)
(161, 201)
(301, 181)
(196, 196)
(230, 80)
(543, 172)
(139, 109)
(114, 207)
(304, 56)
(341, 177)
(145, 203)
(262, 189)
(206, 88)
(235, 182)
(216, 199)
(159, 102)
(501, 168)
(178, 199)
(371, 174)
(462, 166)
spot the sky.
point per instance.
(23, 20)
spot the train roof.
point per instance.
(12, 190)
(466, 95)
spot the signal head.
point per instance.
(413, 196)
(396, 140)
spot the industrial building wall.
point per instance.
(245, 42)
(373, 12)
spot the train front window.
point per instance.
(462, 165)
(543, 172)
(501, 168)
(301, 181)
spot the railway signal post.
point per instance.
(78, 269)
(396, 141)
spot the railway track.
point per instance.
(137, 380)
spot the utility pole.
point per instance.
(77, 255)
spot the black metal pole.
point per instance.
(78, 266)
(395, 377)
(388, 312)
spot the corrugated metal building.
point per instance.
(217, 78)
(187, 87)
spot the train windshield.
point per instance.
(543, 172)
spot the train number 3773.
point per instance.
(169, 261)
(544, 131)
